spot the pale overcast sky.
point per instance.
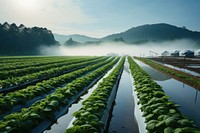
(98, 18)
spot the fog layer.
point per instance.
(121, 48)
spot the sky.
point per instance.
(98, 18)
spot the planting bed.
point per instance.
(93, 116)
(23, 96)
(186, 96)
(189, 79)
(11, 84)
(88, 95)
(158, 113)
(66, 120)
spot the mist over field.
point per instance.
(121, 48)
(69, 66)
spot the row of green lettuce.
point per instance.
(12, 59)
(29, 118)
(46, 73)
(88, 118)
(21, 97)
(29, 70)
(21, 59)
(161, 115)
(9, 66)
(23, 62)
(186, 78)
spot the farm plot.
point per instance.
(93, 116)
(23, 96)
(189, 79)
(31, 77)
(51, 107)
(192, 64)
(158, 113)
(186, 96)
(39, 105)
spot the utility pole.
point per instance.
(153, 53)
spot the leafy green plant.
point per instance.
(22, 96)
(46, 108)
(161, 115)
(93, 107)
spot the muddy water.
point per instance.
(123, 120)
(186, 96)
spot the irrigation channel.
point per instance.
(123, 119)
(66, 120)
(181, 69)
(186, 96)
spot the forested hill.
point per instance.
(71, 42)
(20, 40)
(79, 38)
(155, 32)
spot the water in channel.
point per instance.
(123, 119)
(184, 95)
(62, 123)
(182, 69)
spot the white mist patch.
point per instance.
(121, 48)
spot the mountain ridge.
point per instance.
(155, 32)
(21, 40)
(71, 42)
(77, 37)
(145, 33)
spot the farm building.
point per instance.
(188, 53)
(165, 53)
(175, 53)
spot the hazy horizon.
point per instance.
(120, 48)
(99, 18)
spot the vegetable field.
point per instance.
(35, 92)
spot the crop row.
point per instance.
(16, 63)
(88, 118)
(45, 109)
(29, 70)
(161, 115)
(16, 59)
(35, 62)
(184, 77)
(45, 74)
(11, 59)
(21, 97)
